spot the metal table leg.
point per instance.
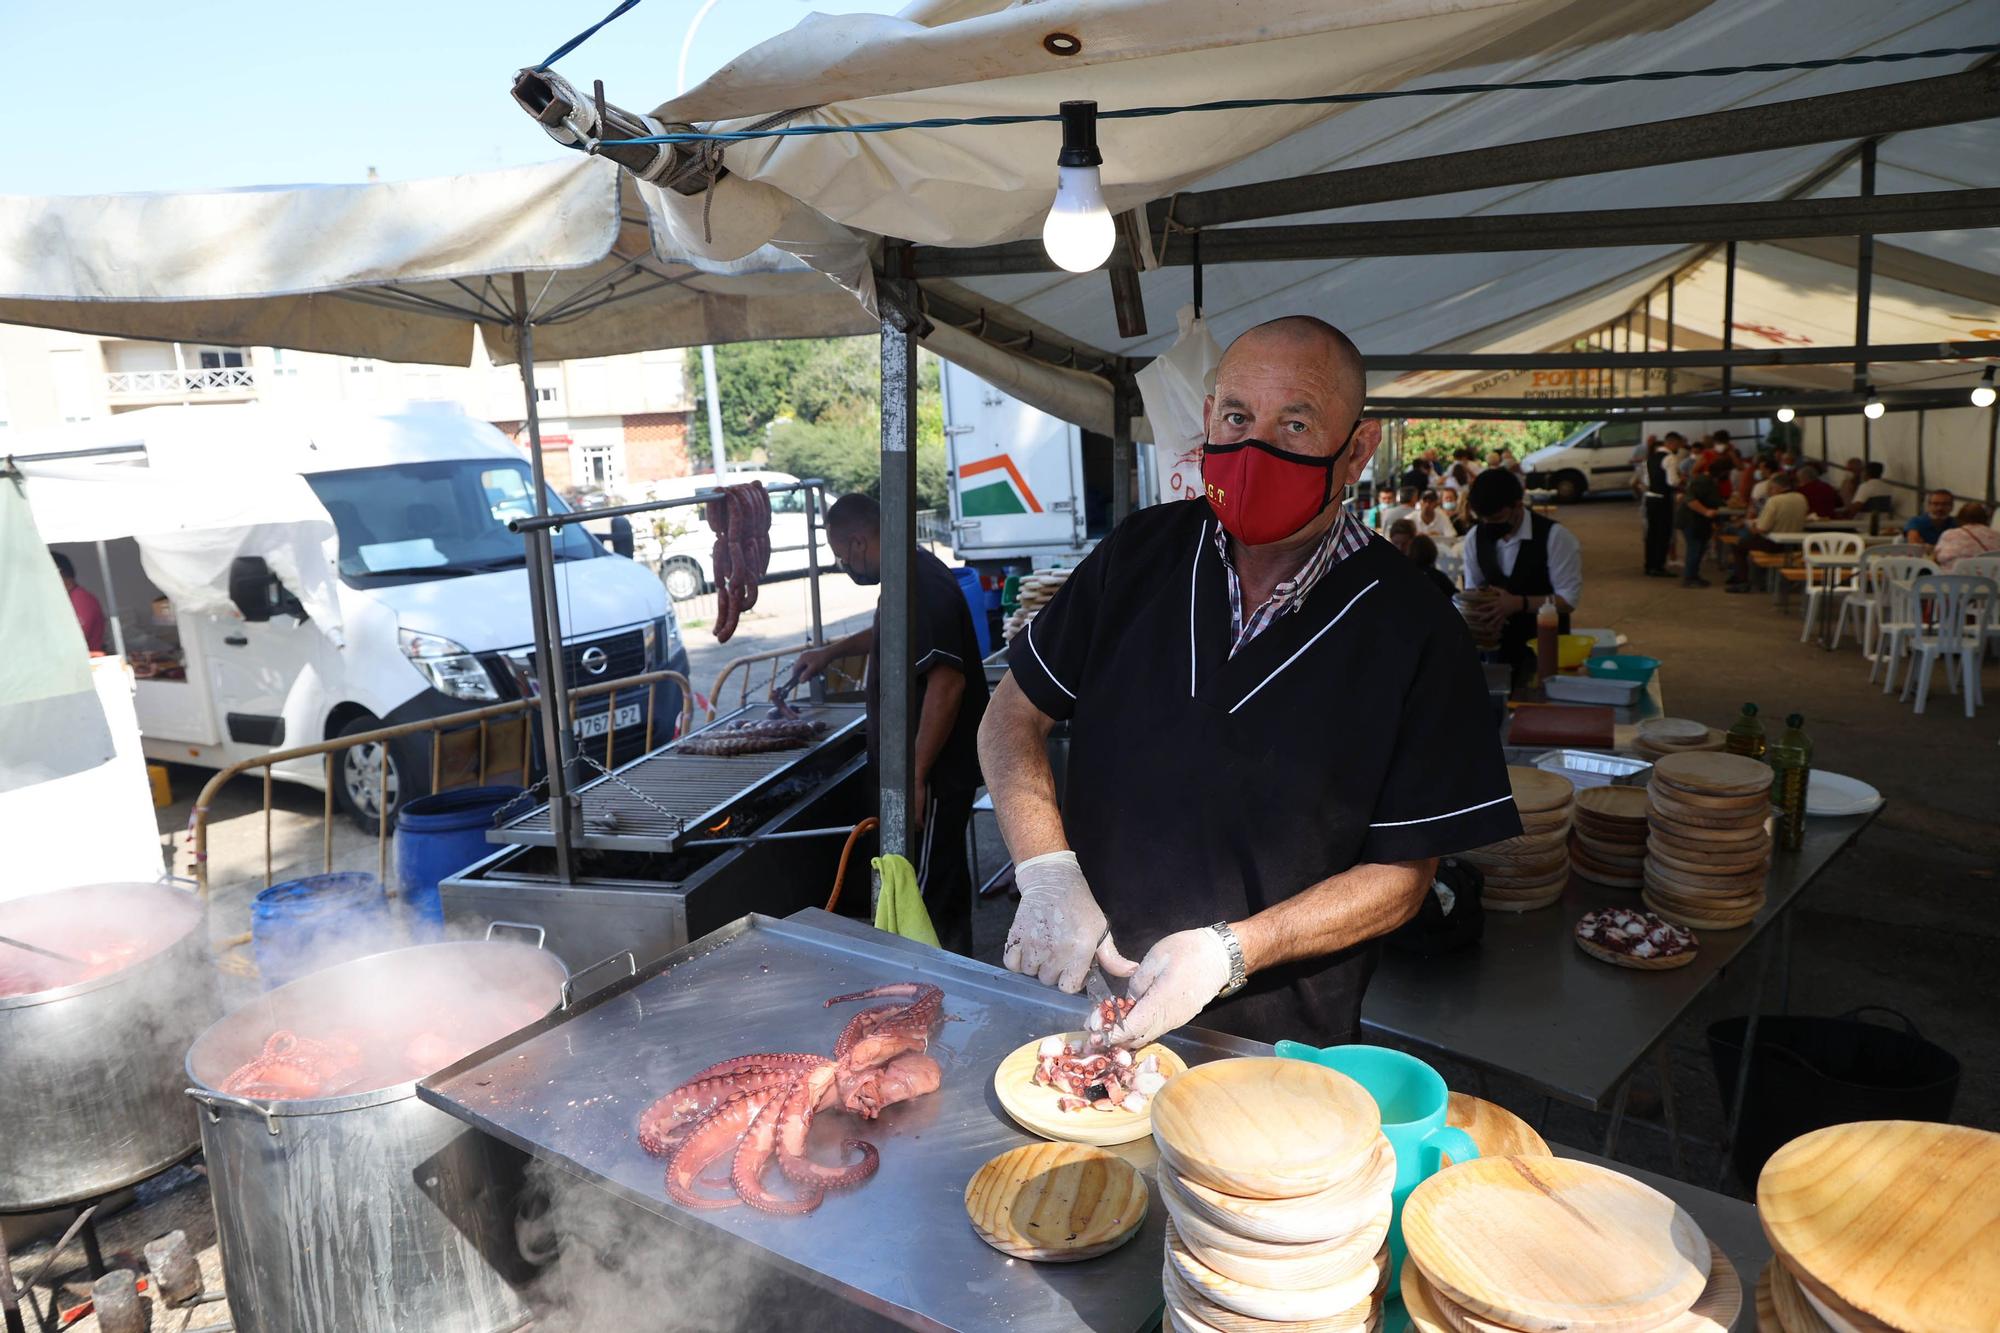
(1617, 1119)
(1735, 1118)
(1664, 1063)
(10, 1295)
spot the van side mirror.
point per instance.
(257, 592)
(621, 536)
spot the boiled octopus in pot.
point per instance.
(755, 1111)
(24, 973)
(350, 1059)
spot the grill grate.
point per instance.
(694, 791)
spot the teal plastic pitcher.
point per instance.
(1413, 1099)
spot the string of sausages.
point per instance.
(741, 520)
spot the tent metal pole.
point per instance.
(1121, 451)
(1920, 455)
(718, 458)
(1992, 451)
(895, 722)
(1668, 392)
(1728, 314)
(813, 496)
(558, 741)
(1864, 273)
(110, 600)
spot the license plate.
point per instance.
(628, 715)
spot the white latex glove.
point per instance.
(1178, 978)
(1058, 928)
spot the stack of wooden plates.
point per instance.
(1541, 1243)
(1707, 846)
(1531, 870)
(1277, 1183)
(1034, 592)
(1884, 1224)
(1608, 844)
(1661, 736)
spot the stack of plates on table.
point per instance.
(1608, 842)
(1661, 736)
(1033, 592)
(1529, 871)
(1883, 1224)
(1708, 845)
(1541, 1243)
(1277, 1182)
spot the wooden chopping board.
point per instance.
(1537, 790)
(1897, 1220)
(1034, 1107)
(1212, 1240)
(1714, 1311)
(1265, 1128)
(1767, 1310)
(1497, 1130)
(1056, 1202)
(1292, 1304)
(1333, 1213)
(1789, 1305)
(1614, 805)
(1717, 774)
(1545, 1244)
(1200, 1315)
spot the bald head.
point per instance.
(1296, 383)
(1303, 339)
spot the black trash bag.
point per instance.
(1811, 1072)
(1452, 916)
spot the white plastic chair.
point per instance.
(1983, 567)
(1899, 621)
(1866, 603)
(1832, 570)
(1954, 610)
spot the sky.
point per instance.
(113, 96)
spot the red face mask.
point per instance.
(1263, 494)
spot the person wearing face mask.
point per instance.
(1257, 690)
(950, 685)
(1529, 558)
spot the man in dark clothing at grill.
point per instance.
(1529, 558)
(1660, 503)
(950, 700)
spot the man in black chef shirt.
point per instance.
(950, 699)
(1268, 708)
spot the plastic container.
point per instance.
(1573, 650)
(975, 603)
(1623, 666)
(436, 837)
(1808, 1073)
(305, 924)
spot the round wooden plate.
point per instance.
(1537, 790)
(1492, 904)
(1717, 774)
(1552, 824)
(1748, 814)
(1753, 863)
(1623, 835)
(1056, 1202)
(1330, 1266)
(1795, 1314)
(1202, 1315)
(1614, 805)
(1529, 845)
(1034, 1108)
(1714, 1311)
(1292, 1304)
(1545, 1244)
(1332, 1213)
(1694, 846)
(1506, 886)
(1497, 1130)
(1206, 1237)
(1896, 1220)
(1743, 885)
(1616, 959)
(1265, 1128)
(1699, 920)
(1767, 1313)
(1628, 856)
(1610, 879)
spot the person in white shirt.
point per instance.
(1405, 506)
(1529, 558)
(1872, 491)
(1431, 521)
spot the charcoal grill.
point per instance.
(651, 803)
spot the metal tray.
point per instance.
(570, 1090)
(1594, 768)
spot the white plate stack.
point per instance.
(1033, 593)
(1277, 1184)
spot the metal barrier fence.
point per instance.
(440, 730)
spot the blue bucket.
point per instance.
(303, 925)
(438, 836)
(975, 602)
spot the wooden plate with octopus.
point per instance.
(1038, 1108)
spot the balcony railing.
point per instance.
(227, 380)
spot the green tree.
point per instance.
(1481, 436)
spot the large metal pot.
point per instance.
(367, 1212)
(90, 1070)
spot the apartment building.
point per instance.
(606, 421)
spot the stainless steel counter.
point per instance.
(571, 1088)
(1527, 1001)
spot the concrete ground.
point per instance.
(1905, 919)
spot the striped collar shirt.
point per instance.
(1344, 538)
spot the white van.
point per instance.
(1603, 457)
(680, 542)
(431, 590)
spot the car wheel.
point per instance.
(362, 788)
(683, 579)
(1570, 487)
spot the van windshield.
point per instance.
(414, 521)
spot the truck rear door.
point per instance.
(1016, 472)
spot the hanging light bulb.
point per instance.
(1873, 408)
(1078, 233)
(1982, 393)
(1786, 414)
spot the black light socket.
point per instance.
(1079, 122)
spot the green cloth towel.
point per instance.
(900, 909)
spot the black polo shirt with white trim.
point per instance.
(1207, 788)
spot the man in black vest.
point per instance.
(1528, 558)
(1660, 501)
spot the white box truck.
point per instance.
(423, 593)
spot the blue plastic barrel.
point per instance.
(303, 925)
(975, 602)
(438, 836)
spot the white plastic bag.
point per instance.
(1174, 385)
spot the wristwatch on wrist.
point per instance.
(1237, 975)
